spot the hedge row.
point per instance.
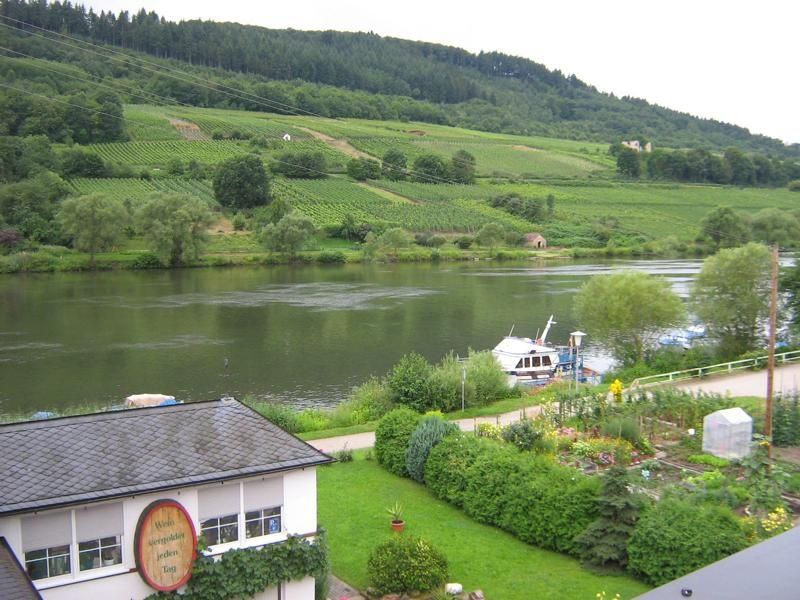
(532, 497)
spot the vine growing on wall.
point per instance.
(247, 572)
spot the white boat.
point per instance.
(533, 361)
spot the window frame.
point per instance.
(75, 573)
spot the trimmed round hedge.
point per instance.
(391, 439)
(406, 564)
(676, 537)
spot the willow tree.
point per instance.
(627, 312)
(94, 222)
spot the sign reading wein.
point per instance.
(165, 545)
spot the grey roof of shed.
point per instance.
(88, 458)
(766, 570)
(14, 581)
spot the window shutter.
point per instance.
(264, 493)
(218, 501)
(46, 530)
(95, 522)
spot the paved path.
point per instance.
(367, 440)
(746, 383)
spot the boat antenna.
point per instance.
(512, 330)
(547, 328)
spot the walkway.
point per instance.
(367, 439)
(746, 383)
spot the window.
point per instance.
(262, 522)
(527, 362)
(219, 513)
(220, 530)
(537, 362)
(48, 562)
(99, 532)
(103, 552)
(546, 361)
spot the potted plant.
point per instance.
(396, 512)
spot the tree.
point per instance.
(628, 162)
(76, 162)
(731, 296)
(604, 544)
(301, 165)
(29, 206)
(94, 222)
(394, 165)
(726, 227)
(289, 234)
(490, 235)
(627, 311)
(462, 167)
(790, 285)
(408, 381)
(362, 169)
(175, 226)
(775, 226)
(430, 168)
(242, 182)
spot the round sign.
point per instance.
(165, 545)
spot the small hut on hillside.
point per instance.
(535, 240)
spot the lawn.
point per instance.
(352, 501)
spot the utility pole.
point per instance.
(773, 323)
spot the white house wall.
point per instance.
(124, 583)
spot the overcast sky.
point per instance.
(730, 60)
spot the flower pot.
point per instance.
(398, 526)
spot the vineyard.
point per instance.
(137, 190)
(159, 154)
(146, 123)
(328, 201)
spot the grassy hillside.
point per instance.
(578, 176)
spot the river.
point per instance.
(301, 336)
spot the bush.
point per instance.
(429, 432)
(622, 427)
(407, 382)
(708, 459)
(677, 537)
(794, 186)
(239, 222)
(147, 260)
(487, 378)
(331, 257)
(391, 439)
(368, 402)
(464, 242)
(406, 564)
(447, 464)
(523, 434)
(282, 416)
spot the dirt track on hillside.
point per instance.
(342, 146)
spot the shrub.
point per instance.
(447, 464)
(282, 416)
(708, 459)
(794, 185)
(368, 402)
(391, 439)
(621, 427)
(523, 434)
(407, 382)
(677, 537)
(9, 238)
(147, 260)
(344, 455)
(486, 377)
(429, 432)
(312, 419)
(405, 564)
(487, 482)
(464, 242)
(239, 222)
(604, 543)
(331, 257)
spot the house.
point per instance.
(287, 137)
(766, 570)
(636, 145)
(535, 240)
(109, 505)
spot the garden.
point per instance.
(617, 482)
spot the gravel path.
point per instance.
(747, 383)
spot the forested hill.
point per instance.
(394, 78)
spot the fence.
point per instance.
(720, 369)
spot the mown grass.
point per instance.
(352, 500)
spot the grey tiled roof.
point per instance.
(14, 582)
(57, 462)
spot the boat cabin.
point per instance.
(525, 358)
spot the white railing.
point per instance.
(720, 369)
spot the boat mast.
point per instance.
(550, 322)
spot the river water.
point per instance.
(301, 336)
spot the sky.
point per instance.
(733, 61)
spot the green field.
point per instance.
(352, 501)
(578, 175)
(327, 201)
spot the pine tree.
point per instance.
(604, 544)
